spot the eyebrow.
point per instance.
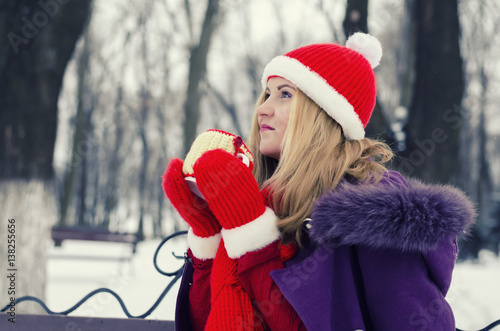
(286, 85)
(282, 86)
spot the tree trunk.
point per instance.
(82, 194)
(435, 114)
(197, 71)
(356, 17)
(228, 106)
(41, 38)
(159, 195)
(143, 170)
(31, 70)
(79, 149)
(114, 165)
(481, 231)
(32, 206)
(486, 225)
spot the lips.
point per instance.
(265, 127)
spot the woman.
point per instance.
(324, 237)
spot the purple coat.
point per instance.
(378, 258)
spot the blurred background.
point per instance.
(96, 96)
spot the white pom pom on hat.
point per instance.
(366, 45)
(340, 79)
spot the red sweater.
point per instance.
(254, 273)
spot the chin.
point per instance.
(272, 154)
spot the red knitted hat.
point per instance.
(340, 79)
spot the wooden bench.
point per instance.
(27, 322)
(59, 234)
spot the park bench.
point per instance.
(28, 322)
(60, 234)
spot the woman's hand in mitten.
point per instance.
(204, 234)
(234, 197)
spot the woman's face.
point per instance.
(273, 115)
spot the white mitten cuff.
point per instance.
(203, 248)
(252, 236)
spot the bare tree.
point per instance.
(434, 120)
(331, 23)
(82, 121)
(356, 17)
(479, 40)
(228, 106)
(119, 177)
(41, 38)
(197, 72)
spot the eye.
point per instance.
(266, 96)
(285, 94)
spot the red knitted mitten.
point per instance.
(234, 197)
(231, 306)
(204, 234)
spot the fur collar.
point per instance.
(396, 213)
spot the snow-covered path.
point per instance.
(474, 295)
(475, 292)
(72, 274)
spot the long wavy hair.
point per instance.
(315, 157)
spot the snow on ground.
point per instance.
(79, 267)
(475, 292)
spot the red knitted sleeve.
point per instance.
(254, 272)
(199, 292)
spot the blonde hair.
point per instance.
(315, 157)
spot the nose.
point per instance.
(265, 109)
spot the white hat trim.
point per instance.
(203, 248)
(318, 89)
(252, 236)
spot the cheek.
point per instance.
(282, 120)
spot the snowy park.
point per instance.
(99, 96)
